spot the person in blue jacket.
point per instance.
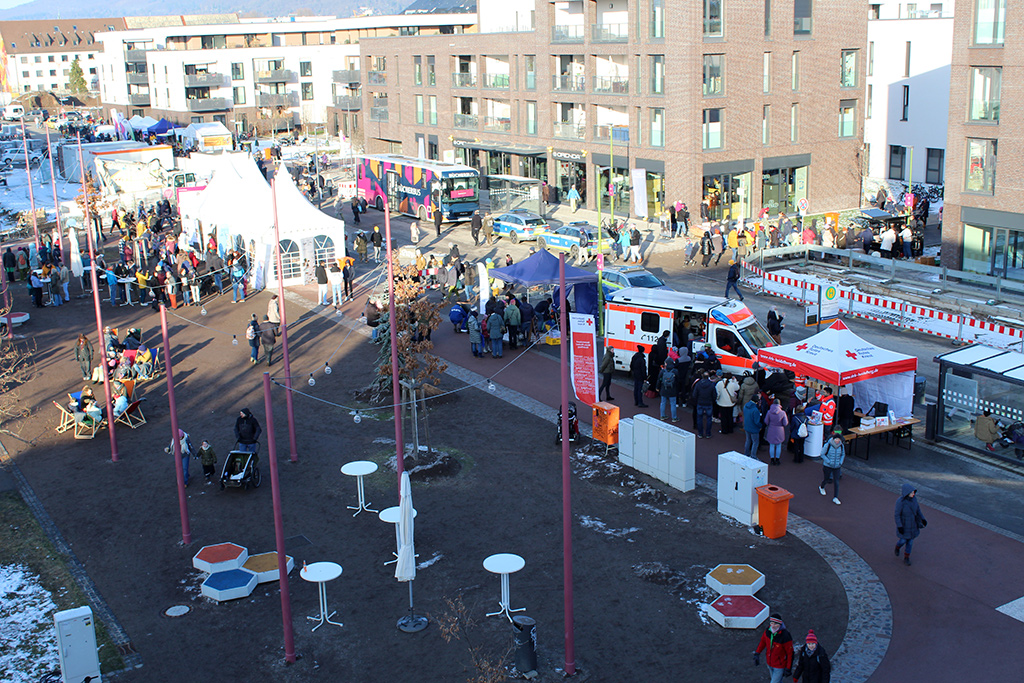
(909, 521)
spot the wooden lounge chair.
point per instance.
(132, 416)
(67, 418)
(86, 426)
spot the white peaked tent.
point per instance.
(141, 123)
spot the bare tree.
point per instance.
(15, 366)
(456, 624)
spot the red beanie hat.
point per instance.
(811, 638)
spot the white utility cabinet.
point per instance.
(738, 479)
(626, 441)
(76, 645)
(662, 450)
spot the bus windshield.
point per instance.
(460, 189)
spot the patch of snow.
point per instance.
(427, 563)
(651, 508)
(597, 525)
(29, 644)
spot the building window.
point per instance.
(897, 158)
(871, 58)
(305, 69)
(431, 73)
(657, 136)
(307, 91)
(848, 69)
(867, 113)
(767, 18)
(713, 18)
(657, 74)
(986, 83)
(432, 101)
(51, 58)
(794, 122)
(906, 62)
(796, 71)
(802, 17)
(530, 63)
(657, 19)
(53, 72)
(24, 74)
(981, 166)
(711, 130)
(531, 118)
(766, 115)
(989, 21)
(237, 71)
(417, 70)
(847, 118)
(936, 165)
(766, 72)
(714, 82)
(906, 103)
(419, 109)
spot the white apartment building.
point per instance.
(910, 48)
(39, 54)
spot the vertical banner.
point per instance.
(583, 365)
(639, 192)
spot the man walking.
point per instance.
(476, 223)
(347, 275)
(751, 426)
(377, 240)
(268, 338)
(606, 370)
(574, 198)
(733, 279)
(638, 366)
(634, 245)
(704, 393)
(909, 521)
(833, 453)
(321, 283)
(777, 644)
(437, 221)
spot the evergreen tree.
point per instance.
(77, 78)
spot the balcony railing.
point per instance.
(466, 121)
(284, 99)
(378, 114)
(135, 55)
(497, 124)
(463, 80)
(139, 99)
(609, 33)
(209, 104)
(138, 79)
(213, 80)
(347, 76)
(611, 85)
(567, 33)
(377, 77)
(569, 83)
(617, 134)
(275, 76)
(496, 81)
(348, 102)
(570, 131)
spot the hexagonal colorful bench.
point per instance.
(229, 585)
(220, 557)
(264, 566)
(738, 611)
(735, 579)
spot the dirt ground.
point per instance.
(639, 559)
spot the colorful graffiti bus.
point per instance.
(418, 187)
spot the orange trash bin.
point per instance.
(773, 510)
(605, 423)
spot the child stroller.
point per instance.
(240, 470)
(1014, 436)
(691, 251)
(574, 424)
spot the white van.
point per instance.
(13, 112)
(638, 315)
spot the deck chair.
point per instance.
(129, 388)
(132, 416)
(67, 419)
(87, 426)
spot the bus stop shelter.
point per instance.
(508, 192)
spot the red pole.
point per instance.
(396, 395)
(294, 457)
(282, 559)
(570, 647)
(186, 530)
(7, 303)
(96, 303)
(56, 206)
(28, 174)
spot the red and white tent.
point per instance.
(839, 357)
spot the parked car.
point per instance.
(16, 155)
(578, 239)
(630, 276)
(519, 225)
(37, 115)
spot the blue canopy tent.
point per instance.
(542, 269)
(160, 127)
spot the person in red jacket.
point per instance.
(828, 410)
(777, 645)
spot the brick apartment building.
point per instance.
(983, 216)
(757, 103)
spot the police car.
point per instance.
(519, 225)
(578, 239)
(615, 279)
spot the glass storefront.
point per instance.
(782, 188)
(534, 167)
(728, 195)
(619, 186)
(567, 174)
(655, 194)
(499, 163)
(994, 251)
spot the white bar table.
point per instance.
(391, 515)
(504, 564)
(320, 573)
(359, 469)
(127, 282)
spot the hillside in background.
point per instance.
(66, 9)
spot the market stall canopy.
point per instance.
(540, 269)
(141, 122)
(160, 127)
(837, 356)
(237, 200)
(294, 209)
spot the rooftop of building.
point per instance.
(55, 35)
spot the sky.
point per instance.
(7, 4)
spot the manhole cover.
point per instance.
(177, 611)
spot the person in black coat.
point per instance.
(476, 223)
(909, 521)
(437, 221)
(812, 666)
(247, 431)
(638, 366)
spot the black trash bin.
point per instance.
(919, 387)
(931, 421)
(526, 644)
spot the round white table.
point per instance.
(320, 573)
(359, 469)
(390, 515)
(127, 282)
(504, 564)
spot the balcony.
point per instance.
(204, 80)
(138, 79)
(567, 34)
(275, 76)
(209, 104)
(466, 121)
(496, 81)
(347, 76)
(611, 85)
(617, 134)
(568, 83)
(498, 124)
(377, 77)
(348, 102)
(567, 130)
(463, 80)
(284, 99)
(135, 55)
(379, 114)
(609, 33)
(139, 99)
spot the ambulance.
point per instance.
(637, 315)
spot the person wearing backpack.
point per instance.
(252, 334)
(237, 282)
(186, 451)
(668, 388)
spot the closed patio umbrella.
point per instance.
(405, 568)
